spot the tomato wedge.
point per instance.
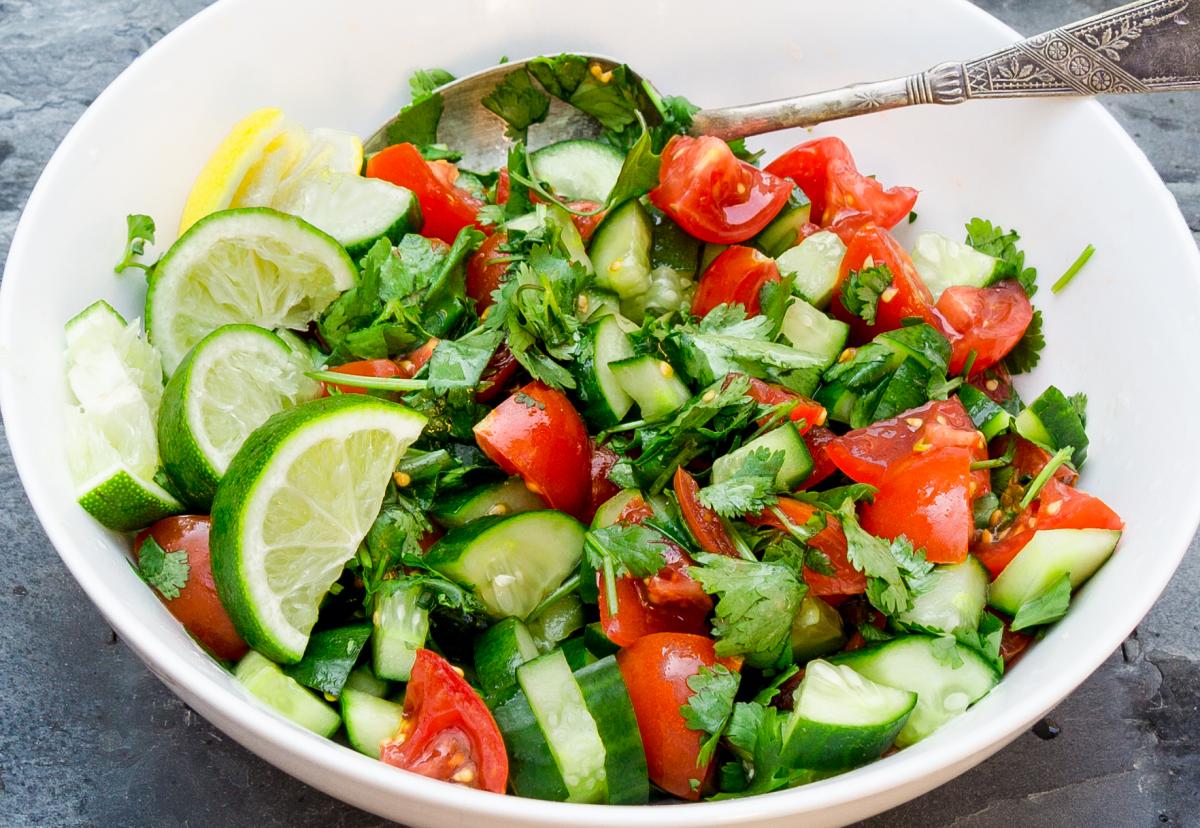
(447, 733)
(807, 165)
(831, 541)
(602, 460)
(539, 435)
(445, 208)
(656, 669)
(736, 276)
(196, 606)
(704, 523)
(712, 195)
(818, 440)
(364, 368)
(987, 321)
(849, 191)
(910, 297)
(927, 498)
(485, 271)
(806, 413)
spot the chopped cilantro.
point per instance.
(517, 102)
(139, 229)
(1047, 606)
(709, 707)
(751, 488)
(1026, 354)
(861, 293)
(166, 571)
(894, 570)
(995, 241)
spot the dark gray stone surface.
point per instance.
(90, 737)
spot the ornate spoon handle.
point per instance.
(1146, 46)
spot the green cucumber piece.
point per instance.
(401, 626)
(838, 400)
(916, 663)
(605, 402)
(944, 263)
(594, 304)
(578, 170)
(597, 642)
(841, 719)
(987, 416)
(510, 497)
(286, 696)
(811, 331)
(370, 721)
(709, 253)
(815, 262)
(499, 651)
(1050, 555)
(329, 658)
(576, 653)
(797, 461)
(620, 250)
(364, 680)
(511, 563)
(784, 230)
(816, 630)
(557, 622)
(604, 693)
(532, 769)
(953, 603)
(652, 383)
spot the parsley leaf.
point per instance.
(139, 229)
(757, 602)
(1026, 354)
(1045, 607)
(751, 488)
(860, 295)
(711, 704)
(165, 571)
(517, 102)
(995, 241)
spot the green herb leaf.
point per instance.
(139, 229)
(639, 172)
(459, 363)
(750, 489)
(634, 550)
(710, 706)
(1045, 607)
(517, 102)
(167, 572)
(559, 75)
(1026, 354)
(894, 570)
(424, 82)
(755, 734)
(832, 499)
(860, 295)
(945, 650)
(995, 241)
(1073, 270)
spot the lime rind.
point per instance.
(253, 265)
(293, 507)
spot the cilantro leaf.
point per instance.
(459, 363)
(166, 571)
(751, 488)
(894, 570)
(517, 102)
(757, 602)
(424, 82)
(872, 634)
(639, 172)
(559, 75)
(139, 229)
(775, 297)
(613, 98)
(1026, 354)
(860, 295)
(995, 241)
(945, 650)
(634, 550)
(1079, 402)
(755, 734)
(1045, 607)
(986, 639)
(417, 122)
(711, 704)
(835, 497)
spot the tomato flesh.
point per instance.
(197, 606)
(602, 460)
(485, 271)
(818, 440)
(445, 208)
(905, 298)
(712, 195)
(987, 321)
(704, 523)
(831, 541)
(656, 669)
(849, 191)
(736, 276)
(448, 733)
(806, 413)
(807, 165)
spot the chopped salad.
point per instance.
(630, 470)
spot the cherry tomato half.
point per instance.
(988, 321)
(807, 164)
(447, 733)
(736, 276)
(445, 208)
(486, 270)
(197, 606)
(818, 439)
(704, 523)
(849, 191)
(712, 195)
(906, 297)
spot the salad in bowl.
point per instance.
(635, 469)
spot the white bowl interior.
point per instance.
(1062, 172)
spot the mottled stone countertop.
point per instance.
(90, 737)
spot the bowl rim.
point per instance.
(256, 728)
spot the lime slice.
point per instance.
(114, 387)
(227, 386)
(253, 265)
(355, 210)
(293, 507)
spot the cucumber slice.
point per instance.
(510, 497)
(576, 653)
(953, 603)
(512, 563)
(364, 680)
(401, 626)
(578, 170)
(264, 680)
(670, 290)
(797, 462)
(607, 699)
(356, 211)
(1052, 422)
(838, 400)
(620, 251)
(913, 662)
(1049, 555)
(815, 263)
(988, 417)
(593, 304)
(783, 231)
(841, 720)
(526, 223)
(605, 402)
(674, 247)
(499, 652)
(329, 658)
(816, 630)
(811, 331)
(652, 384)
(567, 725)
(944, 263)
(370, 720)
(557, 622)
(532, 769)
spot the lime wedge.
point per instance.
(354, 210)
(293, 507)
(254, 265)
(114, 387)
(227, 386)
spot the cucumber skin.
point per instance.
(532, 771)
(329, 658)
(596, 409)
(494, 673)
(607, 699)
(829, 747)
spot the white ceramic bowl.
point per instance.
(1062, 172)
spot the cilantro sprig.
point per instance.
(620, 551)
(139, 230)
(710, 706)
(166, 571)
(751, 488)
(863, 290)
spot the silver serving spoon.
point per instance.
(1145, 46)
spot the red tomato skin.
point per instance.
(807, 165)
(911, 299)
(197, 607)
(988, 321)
(926, 498)
(845, 580)
(818, 439)
(363, 368)
(704, 523)
(498, 373)
(656, 669)
(484, 273)
(846, 189)
(1012, 644)
(807, 413)
(438, 703)
(712, 195)
(446, 209)
(603, 459)
(736, 276)
(545, 442)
